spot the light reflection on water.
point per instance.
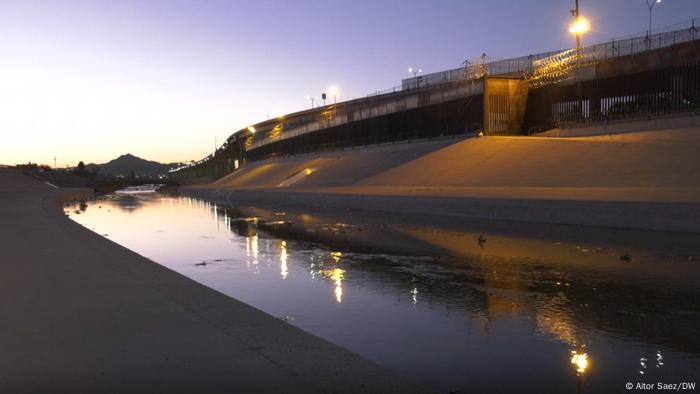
(456, 309)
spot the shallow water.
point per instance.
(473, 307)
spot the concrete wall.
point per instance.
(505, 102)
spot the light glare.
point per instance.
(581, 25)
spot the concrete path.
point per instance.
(82, 314)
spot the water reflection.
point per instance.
(580, 361)
(336, 275)
(357, 281)
(252, 248)
(284, 269)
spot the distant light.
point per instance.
(410, 69)
(333, 91)
(581, 25)
(251, 129)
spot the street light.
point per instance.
(415, 72)
(580, 26)
(335, 92)
(312, 100)
(650, 6)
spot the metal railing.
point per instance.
(630, 45)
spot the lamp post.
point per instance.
(415, 72)
(334, 91)
(312, 100)
(650, 6)
(575, 11)
(580, 26)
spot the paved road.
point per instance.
(83, 314)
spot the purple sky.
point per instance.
(92, 80)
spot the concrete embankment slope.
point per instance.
(83, 314)
(646, 180)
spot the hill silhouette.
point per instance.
(125, 164)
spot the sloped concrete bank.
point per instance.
(641, 180)
(638, 215)
(83, 314)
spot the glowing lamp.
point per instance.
(581, 25)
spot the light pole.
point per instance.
(415, 72)
(334, 91)
(650, 6)
(312, 100)
(580, 25)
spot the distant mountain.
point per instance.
(125, 164)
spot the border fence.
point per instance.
(631, 45)
(612, 85)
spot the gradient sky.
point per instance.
(91, 80)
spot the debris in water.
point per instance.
(285, 318)
(202, 264)
(625, 258)
(481, 240)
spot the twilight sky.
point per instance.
(90, 80)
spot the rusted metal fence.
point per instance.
(454, 117)
(644, 94)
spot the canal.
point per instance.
(459, 305)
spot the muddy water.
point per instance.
(458, 305)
